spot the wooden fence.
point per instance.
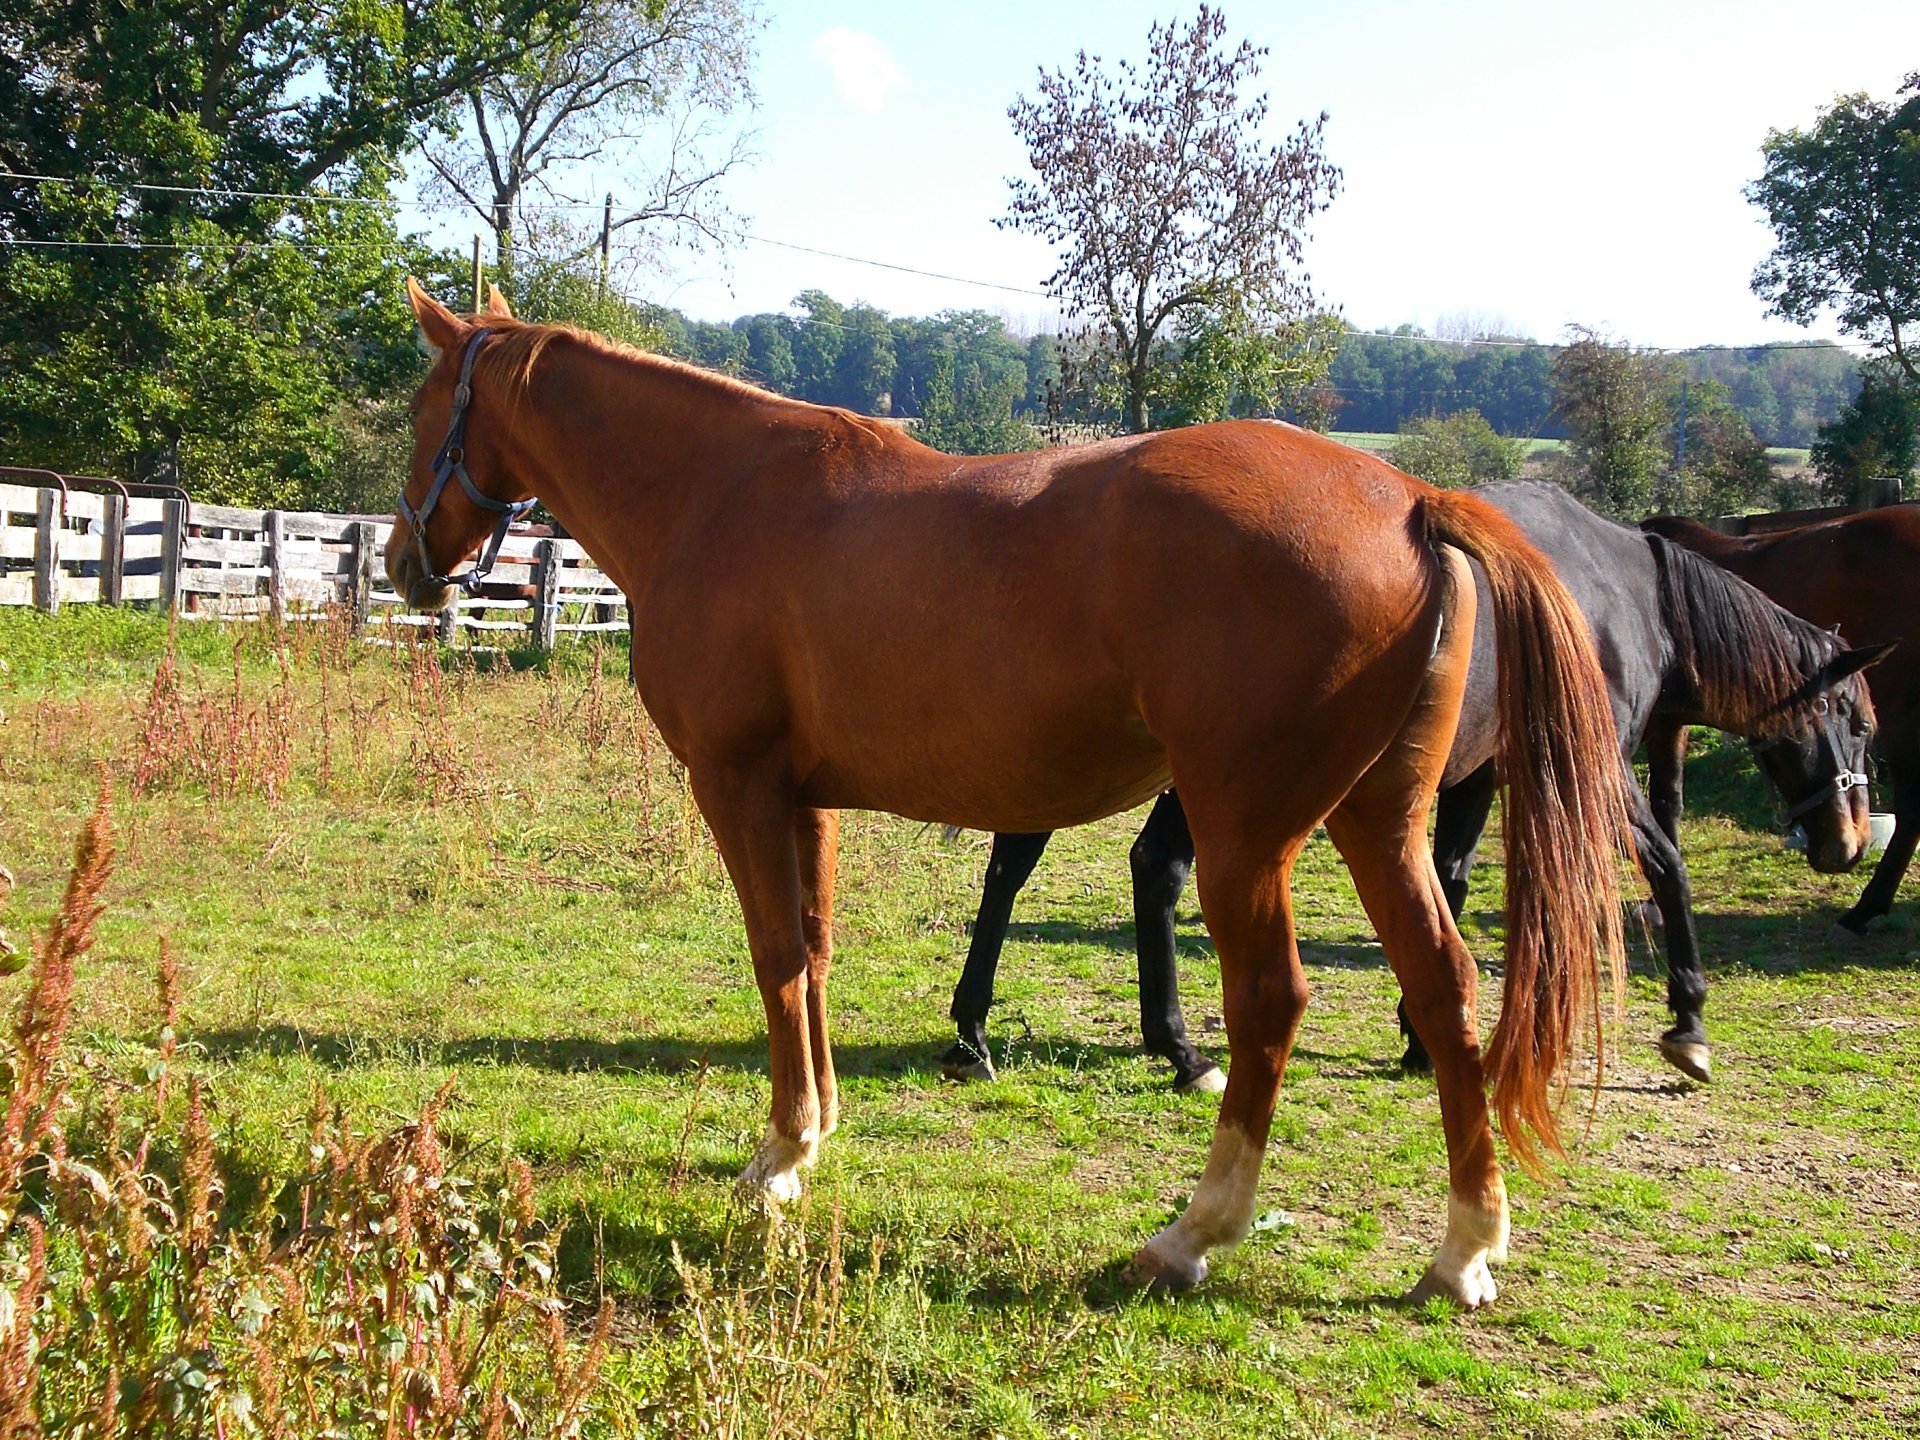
(71, 547)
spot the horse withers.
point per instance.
(1682, 643)
(1861, 575)
(1278, 624)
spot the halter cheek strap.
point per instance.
(1839, 784)
(450, 461)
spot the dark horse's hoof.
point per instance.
(1416, 1062)
(1210, 1081)
(1691, 1058)
(1854, 924)
(963, 1062)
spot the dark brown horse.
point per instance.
(829, 615)
(1860, 573)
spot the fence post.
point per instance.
(173, 533)
(445, 622)
(113, 549)
(46, 552)
(546, 594)
(276, 536)
(360, 582)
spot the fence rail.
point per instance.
(67, 546)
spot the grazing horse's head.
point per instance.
(460, 488)
(1819, 765)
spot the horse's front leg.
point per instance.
(818, 837)
(1877, 899)
(756, 823)
(1685, 1045)
(1014, 856)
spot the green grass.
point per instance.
(504, 880)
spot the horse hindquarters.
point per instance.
(1246, 846)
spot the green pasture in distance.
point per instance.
(499, 876)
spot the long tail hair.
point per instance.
(1565, 822)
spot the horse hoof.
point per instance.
(1849, 931)
(963, 1062)
(1210, 1081)
(1157, 1270)
(1470, 1289)
(1690, 1057)
(1417, 1062)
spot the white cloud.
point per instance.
(864, 71)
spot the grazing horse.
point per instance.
(828, 614)
(1860, 573)
(1682, 643)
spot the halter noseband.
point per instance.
(451, 460)
(1838, 785)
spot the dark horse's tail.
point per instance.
(1565, 822)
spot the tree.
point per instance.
(1160, 199)
(1462, 449)
(972, 417)
(218, 350)
(1876, 437)
(1226, 366)
(1844, 202)
(1618, 405)
(597, 79)
(1726, 469)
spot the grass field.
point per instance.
(402, 872)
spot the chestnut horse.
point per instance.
(828, 615)
(1860, 573)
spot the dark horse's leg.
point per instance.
(1459, 820)
(1656, 821)
(1877, 899)
(1161, 860)
(1012, 861)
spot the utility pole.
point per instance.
(606, 243)
(479, 298)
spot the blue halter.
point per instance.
(451, 460)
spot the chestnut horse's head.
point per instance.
(460, 490)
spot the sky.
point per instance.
(1545, 163)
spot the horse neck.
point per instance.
(622, 445)
(1742, 660)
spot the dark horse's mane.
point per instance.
(1755, 667)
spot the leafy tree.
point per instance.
(1617, 403)
(219, 351)
(1726, 468)
(642, 85)
(1462, 449)
(817, 341)
(1159, 200)
(770, 360)
(863, 370)
(1227, 366)
(1844, 202)
(973, 417)
(1877, 436)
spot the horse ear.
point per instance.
(497, 303)
(441, 327)
(1852, 662)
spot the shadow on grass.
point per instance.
(641, 1055)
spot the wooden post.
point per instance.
(360, 582)
(276, 566)
(113, 549)
(479, 293)
(173, 534)
(546, 594)
(52, 514)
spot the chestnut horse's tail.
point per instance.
(1565, 820)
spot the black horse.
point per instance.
(1683, 643)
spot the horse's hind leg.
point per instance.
(1160, 860)
(1008, 867)
(1460, 819)
(1381, 831)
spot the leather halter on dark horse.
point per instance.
(1860, 573)
(1279, 622)
(1682, 643)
